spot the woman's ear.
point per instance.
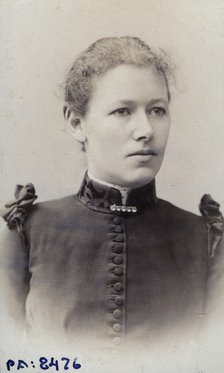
(74, 124)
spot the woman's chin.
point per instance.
(136, 180)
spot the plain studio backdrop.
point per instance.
(39, 42)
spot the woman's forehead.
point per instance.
(129, 82)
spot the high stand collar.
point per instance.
(103, 198)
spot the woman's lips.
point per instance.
(143, 155)
(143, 152)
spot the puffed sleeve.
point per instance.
(14, 256)
(215, 281)
(210, 210)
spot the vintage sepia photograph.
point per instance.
(112, 186)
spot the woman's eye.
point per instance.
(157, 111)
(122, 112)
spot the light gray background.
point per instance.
(39, 42)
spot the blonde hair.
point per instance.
(103, 55)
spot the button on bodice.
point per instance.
(118, 259)
(118, 271)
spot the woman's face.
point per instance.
(127, 125)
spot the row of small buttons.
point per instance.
(115, 286)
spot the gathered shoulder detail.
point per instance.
(209, 209)
(15, 212)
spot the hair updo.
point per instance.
(103, 55)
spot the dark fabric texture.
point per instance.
(109, 274)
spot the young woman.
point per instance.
(113, 263)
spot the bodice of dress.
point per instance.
(95, 267)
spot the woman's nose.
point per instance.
(143, 129)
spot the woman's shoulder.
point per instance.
(55, 207)
(172, 208)
(55, 212)
(178, 217)
(209, 224)
(208, 210)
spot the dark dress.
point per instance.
(86, 265)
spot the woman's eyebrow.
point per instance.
(157, 100)
(124, 102)
(134, 103)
